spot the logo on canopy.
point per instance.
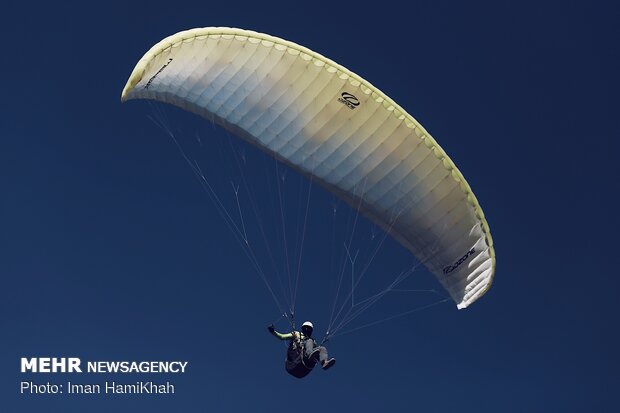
(447, 270)
(349, 100)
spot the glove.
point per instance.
(271, 329)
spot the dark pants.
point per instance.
(322, 350)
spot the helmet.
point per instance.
(307, 328)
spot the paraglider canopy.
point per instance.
(336, 128)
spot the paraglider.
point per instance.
(336, 129)
(303, 351)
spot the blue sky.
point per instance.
(111, 250)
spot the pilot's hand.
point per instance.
(271, 328)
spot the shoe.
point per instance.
(328, 364)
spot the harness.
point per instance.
(298, 345)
